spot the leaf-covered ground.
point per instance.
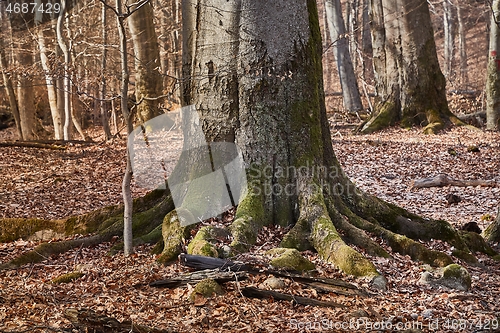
(52, 184)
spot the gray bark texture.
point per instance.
(410, 85)
(449, 38)
(253, 70)
(340, 40)
(493, 76)
(148, 80)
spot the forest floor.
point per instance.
(54, 184)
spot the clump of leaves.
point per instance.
(68, 277)
(487, 217)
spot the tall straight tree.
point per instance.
(7, 81)
(148, 79)
(49, 78)
(409, 83)
(340, 41)
(256, 81)
(493, 78)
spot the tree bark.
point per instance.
(340, 40)
(9, 89)
(26, 93)
(492, 233)
(409, 83)
(127, 177)
(49, 78)
(462, 45)
(148, 80)
(67, 80)
(493, 77)
(255, 74)
(103, 103)
(449, 38)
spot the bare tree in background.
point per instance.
(49, 78)
(449, 38)
(148, 79)
(340, 41)
(493, 77)
(411, 88)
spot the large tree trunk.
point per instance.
(340, 40)
(410, 85)
(148, 80)
(492, 233)
(493, 78)
(256, 81)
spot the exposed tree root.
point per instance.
(104, 224)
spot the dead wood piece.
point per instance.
(30, 144)
(89, 321)
(262, 294)
(443, 180)
(201, 262)
(214, 274)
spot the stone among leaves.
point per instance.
(452, 276)
(206, 288)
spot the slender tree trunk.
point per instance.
(49, 78)
(148, 80)
(103, 103)
(26, 92)
(410, 84)
(336, 26)
(462, 45)
(127, 177)
(9, 89)
(366, 38)
(493, 78)
(67, 80)
(449, 38)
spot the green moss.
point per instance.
(466, 256)
(12, 228)
(298, 237)
(332, 248)
(68, 277)
(456, 273)
(353, 263)
(385, 116)
(174, 236)
(290, 259)
(417, 251)
(206, 288)
(476, 243)
(201, 245)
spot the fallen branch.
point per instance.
(261, 294)
(193, 278)
(89, 321)
(321, 284)
(29, 144)
(443, 180)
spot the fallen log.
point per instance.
(29, 144)
(87, 320)
(201, 262)
(252, 292)
(214, 274)
(443, 180)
